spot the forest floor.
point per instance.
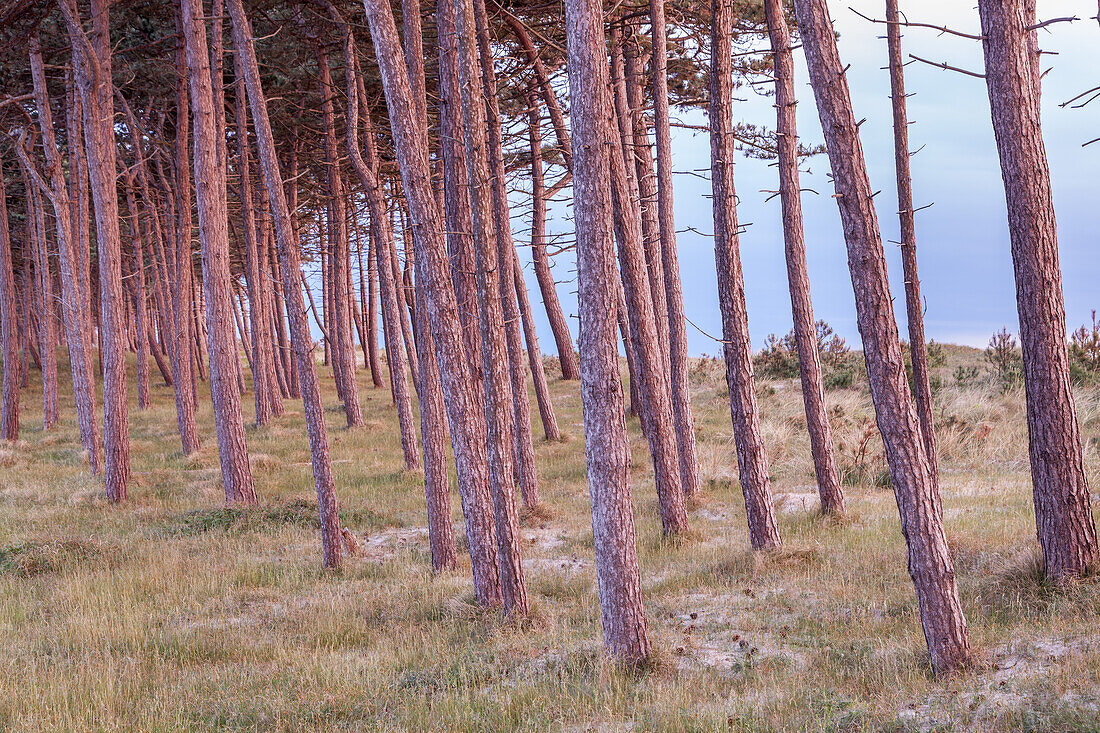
(170, 612)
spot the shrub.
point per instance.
(1084, 352)
(1006, 365)
(779, 358)
(966, 376)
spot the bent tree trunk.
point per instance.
(73, 300)
(1063, 505)
(93, 79)
(918, 347)
(210, 194)
(752, 460)
(466, 421)
(809, 360)
(915, 489)
(499, 411)
(9, 329)
(606, 451)
(288, 245)
(567, 357)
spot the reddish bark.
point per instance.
(567, 357)
(677, 321)
(289, 246)
(499, 412)
(506, 255)
(653, 388)
(752, 459)
(606, 450)
(71, 264)
(210, 195)
(914, 306)
(93, 79)
(467, 423)
(915, 489)
(798, 279)
(9, 329)
(1063, 504)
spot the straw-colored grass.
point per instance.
(170, 612)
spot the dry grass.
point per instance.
(174, 613)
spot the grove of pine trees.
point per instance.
(169, 171)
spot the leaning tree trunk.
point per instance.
(263, 366)
(677, 321)
(639, 160)
(606, 450)
(567, 357)
(9, 328)
(549, 419)
(384, 251)
(93, 78)
(344, 346)
(752, 459)
(210, 194)
(289, 247)
(73, 298)
(524, 449)
(914, 307)
(1063, 505)
(499, 412)
(915, 489)
(653, 391)
(805, 330)
(467, 422)
(183, 364)
(43, 297)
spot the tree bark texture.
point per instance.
(606, 450)
(752, 459)
(918, 497)
(798, 278)
(1063, 505)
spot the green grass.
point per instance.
(172, 612)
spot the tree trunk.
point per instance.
(752, 459)
(93, 78)
(567, 357)
(210, 194)
(606, 449)
(340, 258)
(915, 489)
(368, 292)
(9, 328)
(263, 367)
(43, 297)
(1063, 505)
(677, 321)
(914, 307)
(183, 364)
(456, 193)
(506, 256)
(653, 389)
(798, 278)
(499, 410)
(467, 423)
(534, 357)
(138, 293)
(71, 264)
(639, 160)
(289, 247)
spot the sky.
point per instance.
(962, 239)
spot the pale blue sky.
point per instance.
(963, 248)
